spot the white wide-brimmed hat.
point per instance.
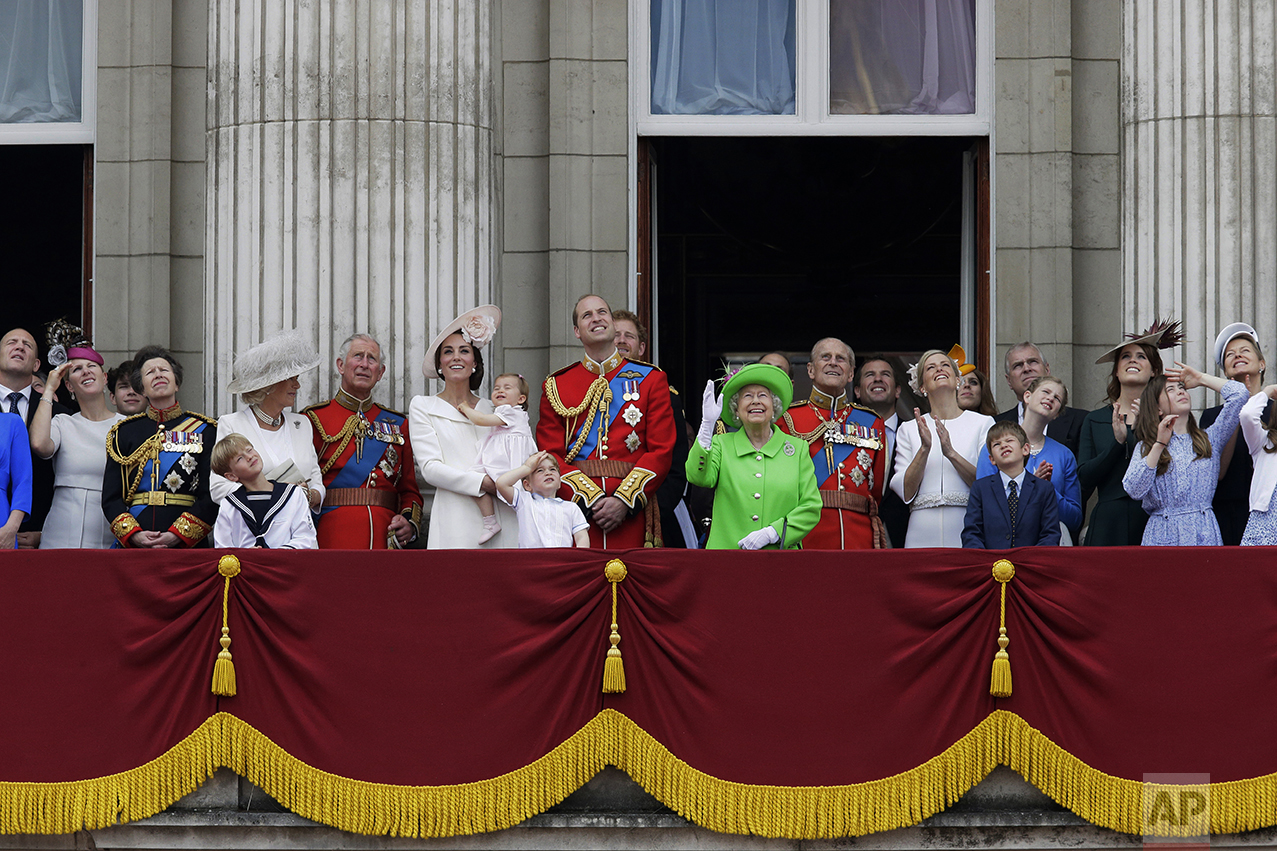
(1230, 333)
(286, 354)
(477, 327)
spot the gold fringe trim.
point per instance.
(610, 738)
(117, 798)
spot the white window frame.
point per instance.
(84, 131)
(812, 118)
(811, 110)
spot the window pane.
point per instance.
(912, 57)
(41, 58)
(723, 57)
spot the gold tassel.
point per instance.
(613, 667)
(224, 667)
(1000, 680)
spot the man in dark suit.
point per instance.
(19, 360)
(1011, 508)
(877, 387)
(1024, 362)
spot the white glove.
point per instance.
(711, 410)
(758, 540)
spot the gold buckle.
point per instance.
(155, 498)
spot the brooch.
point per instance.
(789, 448)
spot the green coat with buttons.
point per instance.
(773, 486)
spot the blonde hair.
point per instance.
(225, 452)
(523, 386)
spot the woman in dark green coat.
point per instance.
(1107, 438)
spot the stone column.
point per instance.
(1199, 187)
(349, 175)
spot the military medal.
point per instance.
(632, 442)
(631, 414)
(863, 459)
(857, 476)
(173, 480)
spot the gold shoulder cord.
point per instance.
(599, 391)
(809, 436)
(149, 449)
(347, 432)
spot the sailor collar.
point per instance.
(169, 413)
(825, 402)
(609, 363)
(361, 406)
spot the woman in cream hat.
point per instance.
(445, 443)
(266, 377)
(1239, 356)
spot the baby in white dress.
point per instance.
(507, 445)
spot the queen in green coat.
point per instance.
(765, 494)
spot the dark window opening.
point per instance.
(773, 243)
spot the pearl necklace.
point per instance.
(273, 422)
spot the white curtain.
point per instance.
(723, 57)
(902, 56)
(41, 54)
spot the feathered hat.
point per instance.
(67, 342)
(1162, 334)
(286, 354)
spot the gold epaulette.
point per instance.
(862, 408)
(315, 407)
(207, 419)
(559, 372)
(800, 403)
(643, 363)
(674, 391)
(393, 411)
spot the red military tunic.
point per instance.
(611, 427)
(366, 461)
(849, 450)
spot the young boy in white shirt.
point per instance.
(259, 513)
(544, 519)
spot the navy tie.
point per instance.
(1013, 505)
(13, 402)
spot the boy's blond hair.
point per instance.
(226, 451)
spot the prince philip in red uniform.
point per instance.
(848, 448)
(608, 421)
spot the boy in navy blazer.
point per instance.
(1011, 508)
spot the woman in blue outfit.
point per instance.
(1175, 468)
(1048, 459)
(15, 478)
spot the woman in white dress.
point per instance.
(266, 379)
(77, 445)
(936, 455)
(445, 443)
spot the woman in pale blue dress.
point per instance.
(1048, 459)
(1175, 469)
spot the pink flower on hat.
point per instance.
(478, 330)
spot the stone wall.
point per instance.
(149, 184)
(1057, 203)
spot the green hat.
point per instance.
(771, 377)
